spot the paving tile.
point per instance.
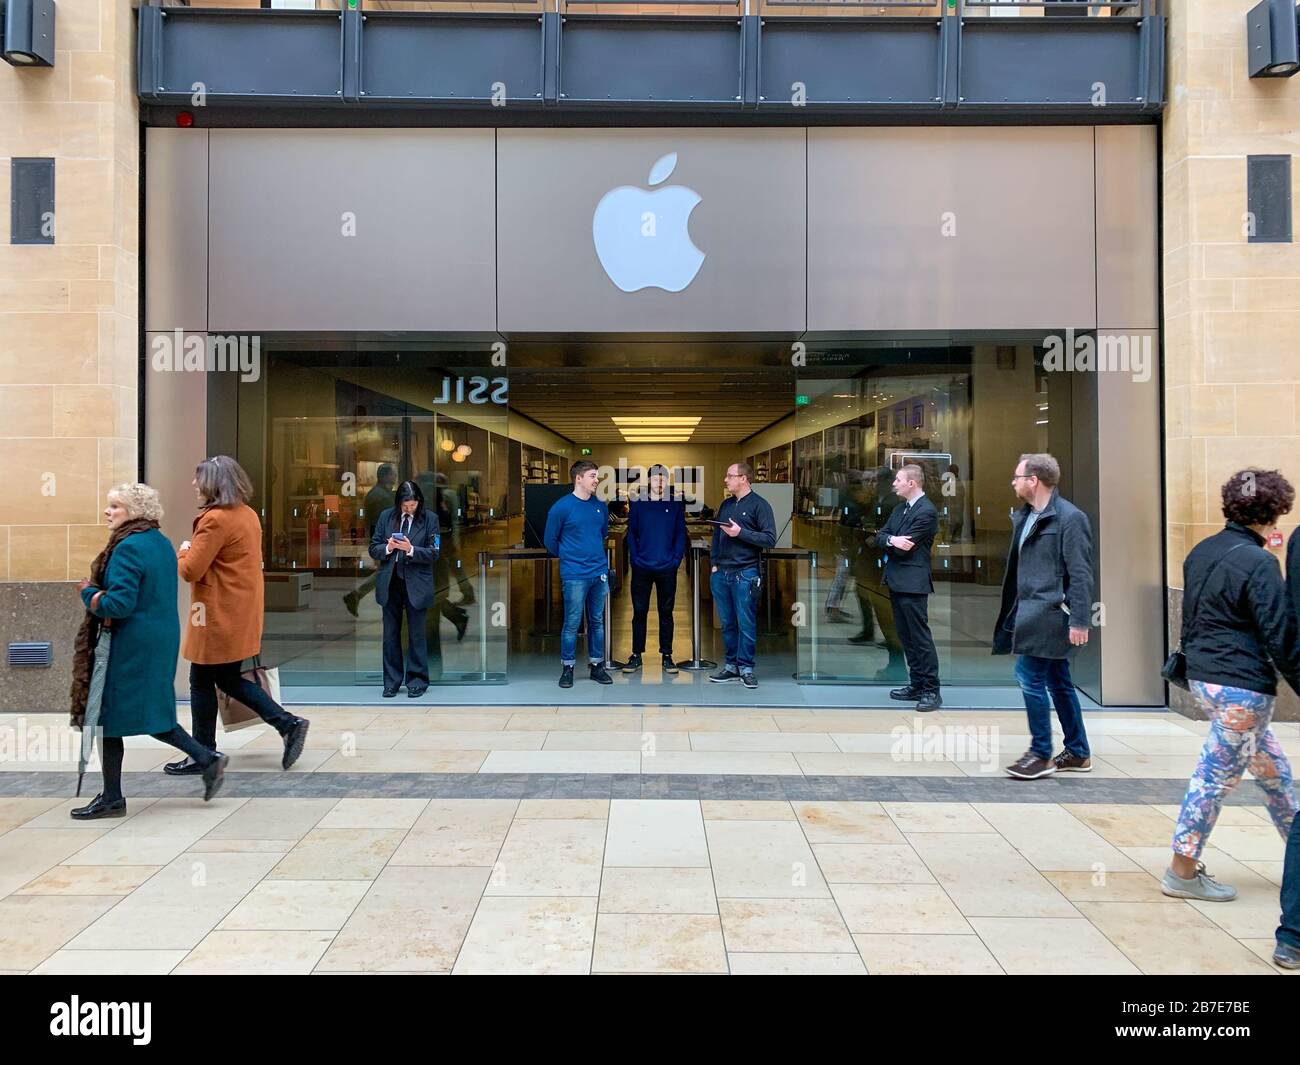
(773, 763)
(836, 722)
(454, 740)
(329, 739)
(640, 890)
(242, 846)
(899, 908)
(1263, 949)
(530, 936)
(56, 814)
(465, 832)
(26, 853)
(339, 854)
(746, 810)
(374, 813)
(1124, 825)
(255, 759)
(1028, 946)
(708, 721)
(157, 834)
(17, 811)
(872, 863)
(784, 925)
(1270, 871)
(1051, 838)
(411, 920)
(658, 943)
(451, 721)
(571, 722)
(178, 906)
(1254, 843)
(656, 833)
(763, 859)
(89, 880)
(846, 822)
(1154, 766)
(273, 819)
(987, 877)
(1228, 815)
(925, 954)
(110, 963)
(1106, 886)
(32, 927)
(872, 765)
(256, 953)
(936, 817)
(760, 741)
(296, 905)
(563, 809)
(550, 858)
(1167, 940)
(796, 964)
(562, 762)
(404, 762)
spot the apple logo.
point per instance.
(642, 237)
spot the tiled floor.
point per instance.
(563, 839)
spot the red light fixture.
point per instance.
(185, 119)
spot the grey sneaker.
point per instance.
(748, 679)
(1202, 886)
(724, 676)
(1287, 956)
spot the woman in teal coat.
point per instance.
(131, 597)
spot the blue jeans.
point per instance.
(1037, 678)
(1288, 931)
(586, 594)
(735, 592)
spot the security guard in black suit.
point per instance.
(906, 539)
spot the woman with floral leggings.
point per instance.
(1239, 632)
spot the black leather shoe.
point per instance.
(390, 693)
(99, 807)
(183, 768)
(599, 675)
(906, 694)
(633, 663)
(863, 638)
(415, 693)
(566, 677)
(294, 741)
(462, 623)
(928, 701)
(214, 775)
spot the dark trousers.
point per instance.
(113, 750)
(415, 671)
(1288, 931)
(664, 583)
(204, 682)
(912, 616)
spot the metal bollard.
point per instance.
(695, 661)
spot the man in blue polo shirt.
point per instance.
(656, 544)
(576, 528)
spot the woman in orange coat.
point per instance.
(223, 564)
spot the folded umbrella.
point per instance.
(94, 703)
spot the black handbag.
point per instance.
(1175, 668)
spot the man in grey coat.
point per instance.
(1046, 614)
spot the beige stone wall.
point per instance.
(68, 342)
(1232, 309)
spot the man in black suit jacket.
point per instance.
(406, 544)
(906, 539)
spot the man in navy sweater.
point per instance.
(576, 528)
(750, 526)
(656, 543)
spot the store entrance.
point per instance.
(485, 430)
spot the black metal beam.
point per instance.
(747, 68)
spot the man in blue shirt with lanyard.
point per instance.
(747, 526)
(576, 528)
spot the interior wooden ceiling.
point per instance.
(580, 404)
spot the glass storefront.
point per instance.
(327, 434)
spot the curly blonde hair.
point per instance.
(140, 500)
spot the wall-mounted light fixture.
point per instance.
(28, 27)
(1273, 39)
